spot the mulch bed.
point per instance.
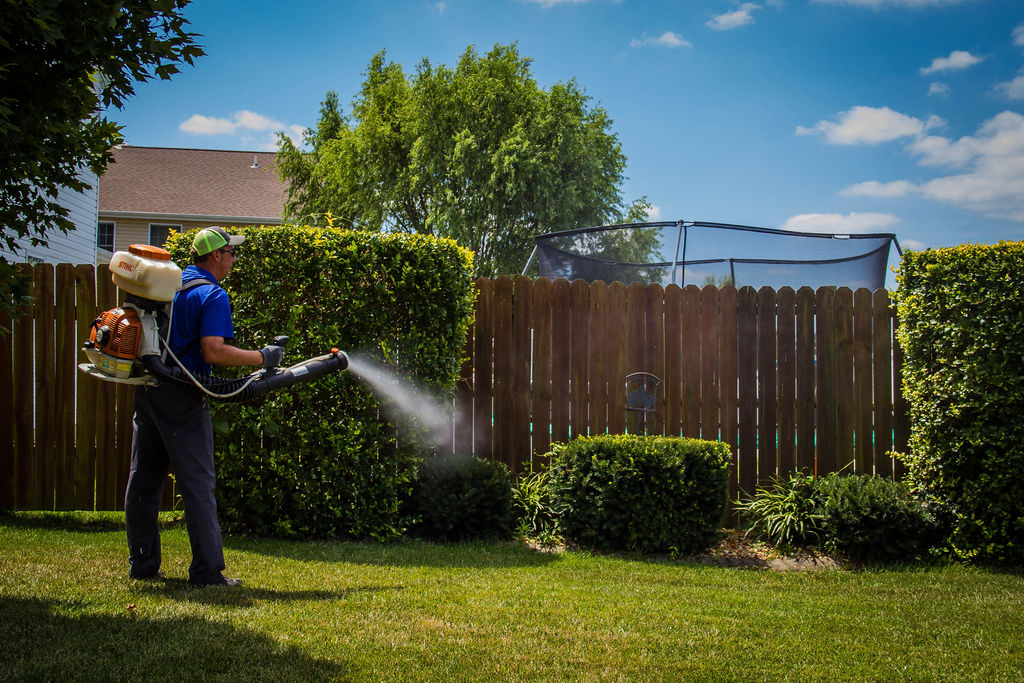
(737, 550)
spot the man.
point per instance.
(173, 428)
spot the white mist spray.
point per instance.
(404, 399)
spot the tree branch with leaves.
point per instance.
(61, 62)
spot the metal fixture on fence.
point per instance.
(641, 400)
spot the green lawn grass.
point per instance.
(494, 611)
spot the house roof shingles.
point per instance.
(192, 182)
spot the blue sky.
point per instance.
(902, 116)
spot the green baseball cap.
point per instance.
(213, 238)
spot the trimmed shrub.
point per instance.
(961, 313)
(319, 459)
(875, 519)
(461, 498)
(647, 494)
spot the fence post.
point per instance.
(561, 341)
(881, 358)
(598, 360)
(522, 349)
(86, 396)
(746, 371)
(863, 378)
(66, 367)
(786, 353)
(673, 361)
(805, 389)
(8, 455)
(541, 408)
(825, 378)
(578, 357)
(846, 401)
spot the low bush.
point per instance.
(863, 517)
(461, 498)
(871, 518)
(640, 493)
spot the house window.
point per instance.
(105, 236)
(159, 232)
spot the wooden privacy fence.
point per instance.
(789, 379)
(66, 443)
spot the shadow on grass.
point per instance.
(247, 596)
(401, 553)
(40, 643)
(79, 520)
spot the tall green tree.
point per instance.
(60, 62)
(479, 153)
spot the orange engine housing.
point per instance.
(118, 333)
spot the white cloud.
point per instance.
(873, 188)
(841, 224)
(254, 121)
(869, 126)
(956, 61)
(666, 39)
(1013, 89)
(935, 150)
(440, 7)
(938, 90)
(198, 124)
(654, 212)
(207, 125)
(254, 131)
(992, 180)
(731, 20)
(1018, 36)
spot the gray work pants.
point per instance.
(173, 430)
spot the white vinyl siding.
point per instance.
(78, 245)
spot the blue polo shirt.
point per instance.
(203, 311)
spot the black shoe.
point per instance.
(154, 576)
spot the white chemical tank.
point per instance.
(146, 271)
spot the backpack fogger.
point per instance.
(128, 344)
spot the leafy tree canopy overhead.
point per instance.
(60, 61)
(479, 153)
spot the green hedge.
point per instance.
(319, 459)
(961, 328)
(648, 494)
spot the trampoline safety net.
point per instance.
(698, 253)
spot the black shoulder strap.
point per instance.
(195, 283)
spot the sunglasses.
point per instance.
(228, 251)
